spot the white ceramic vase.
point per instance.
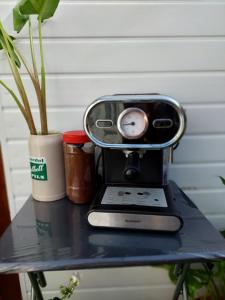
(47, 167)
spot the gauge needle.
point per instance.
(131, 123)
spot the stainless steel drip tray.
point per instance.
(134, 221)
(119, 195)
(158, 214)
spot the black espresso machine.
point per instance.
(136, 135)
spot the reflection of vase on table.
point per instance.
(52, 226)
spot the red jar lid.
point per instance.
(75, 137)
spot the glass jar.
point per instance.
(79, 166)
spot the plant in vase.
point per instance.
(46, 151)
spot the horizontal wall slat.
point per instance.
(18, 154)
(205, 119)
(192, 149)
(199, 149)
(189, 177)
(132, 19)
(131, 55)
(136, 19)
(209, 201)
(64, 119)
(194, 177)
(217, 221)
(81, 90)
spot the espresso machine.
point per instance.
(136, 135)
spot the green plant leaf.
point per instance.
(222, 179)
(44, 9)
(48, 9)
(171, 272)
(3, 46)
(19, 19)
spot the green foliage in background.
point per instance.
(210, 276)
(66, 291)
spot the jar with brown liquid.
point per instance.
(79, 166)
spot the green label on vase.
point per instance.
(38, 168)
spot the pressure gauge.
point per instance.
(132, 123)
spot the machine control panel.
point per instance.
(104, 123)
(162, 123)
(135, 121)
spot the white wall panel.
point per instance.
(131, 55)
(201, 149)
(204, 119)
(217, 220)
(198, 149)
(135, 19)
(59, 120)
(209, 201)
(198, 176)
(72, 90)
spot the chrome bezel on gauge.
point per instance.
(129, 110)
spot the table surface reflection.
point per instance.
(56, 236)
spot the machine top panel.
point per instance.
(135, 121)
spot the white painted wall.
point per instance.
(94, 48)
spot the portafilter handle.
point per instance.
(132, 166)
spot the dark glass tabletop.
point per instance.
(56, 236)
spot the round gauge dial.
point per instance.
(132, 123)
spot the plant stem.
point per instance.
(21, 108)
(36, 84)
(33, 52)
(23, 60)
(18, 81)
(43, 81)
